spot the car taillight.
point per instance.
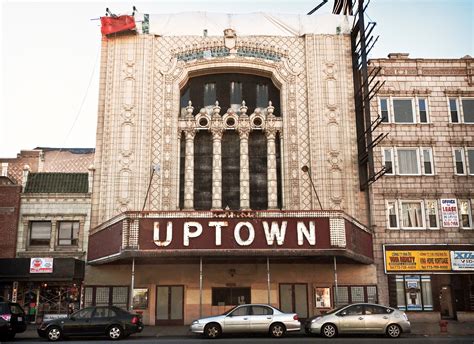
(135, 320)
(5, 317)
(295, 317)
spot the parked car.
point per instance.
(359, 318)
(249, 318)
(109, 321)
(13, 320)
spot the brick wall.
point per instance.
(9, 211)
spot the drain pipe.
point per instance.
(200, 287)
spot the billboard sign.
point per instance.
(41, 265)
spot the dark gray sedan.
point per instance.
(359, 318)
(252, 318)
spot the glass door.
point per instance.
(169, 305)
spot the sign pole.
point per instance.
(268, 279)
(336, 290)
(200, 287)
(132, 284)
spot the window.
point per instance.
(387, 160)
(453, 109)
(470, 160)
(106, 296)
(412, 216)
(432, 212)
(392, 215)
(261, 310)
(461, 110)
(403, 111)
(459, 161)
(427, 157)
(68, 233)
(262, 95)
(373, 309)
(84, 313)
(413, 293)
(40, 233)
(241, 311)
(352, 294)
(210, 94)
(384, 109)
(235, 95)
(104, 312)
(353, 310)
(465, 213)
(422, 110)
(408, 162)
(230, 296)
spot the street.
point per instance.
(259, 339)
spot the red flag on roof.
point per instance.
(116, 24)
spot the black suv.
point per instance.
(12, 320)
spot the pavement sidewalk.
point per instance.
(455, 328)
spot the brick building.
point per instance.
(423, 206)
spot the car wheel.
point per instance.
(394, 331)
(329, 331)
(277, 330)
(54, 334)
(212, 331)
(114, 332)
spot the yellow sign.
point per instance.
(417, 261)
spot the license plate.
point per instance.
(20, 319)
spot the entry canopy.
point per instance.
(250, 24)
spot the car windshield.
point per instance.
(230, 310)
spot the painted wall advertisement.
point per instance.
(449, 213)
(41, 265)
(430, 260)
(462, 260)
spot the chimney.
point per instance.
(394, 56)
(26, 172)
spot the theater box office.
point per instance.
(191, 264)
(437, 279)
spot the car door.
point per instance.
(261, 318)
(238, 320)
(101, 319)
(79, 323)
(376, 318)
(351, 319)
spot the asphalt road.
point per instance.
(263, 340)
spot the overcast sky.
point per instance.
(50, 54)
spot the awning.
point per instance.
(18, 269)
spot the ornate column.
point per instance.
(244, 131)
(270, 131)
(190, 133)
(217, 129)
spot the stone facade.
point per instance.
(436, 81)
(139, 108)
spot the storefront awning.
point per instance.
(63, 269)
(230, 234)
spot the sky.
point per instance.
(50, 55)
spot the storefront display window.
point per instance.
(352, 294)
(230, 296)
(323, 297)
(414, 293)
(140, 298)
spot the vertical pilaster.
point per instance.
(244, 131)
(217, 131)
(270, 131)
(190, 133)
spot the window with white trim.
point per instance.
(392, 214)
(465, 214)
(40, 233)
(408, 161)
(68, 233)
(404, 110)
(463, 160)
(412, 214)
(461, 110)
(432, 213)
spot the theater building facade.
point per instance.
(226, 170)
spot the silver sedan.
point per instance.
(254, 318)
(359, 318)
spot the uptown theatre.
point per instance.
(226, 168)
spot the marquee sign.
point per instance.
(288, 233)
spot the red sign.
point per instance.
(116, 24)
(226, 233)
(41, 265)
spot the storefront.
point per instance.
(437, 279)
(190, 264)
(45, 287)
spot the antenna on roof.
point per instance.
(108, 13)
(134, 10)
(317, 7)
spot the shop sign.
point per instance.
(449, 213)
(462, 260)
(41, 265)
(417, 261)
